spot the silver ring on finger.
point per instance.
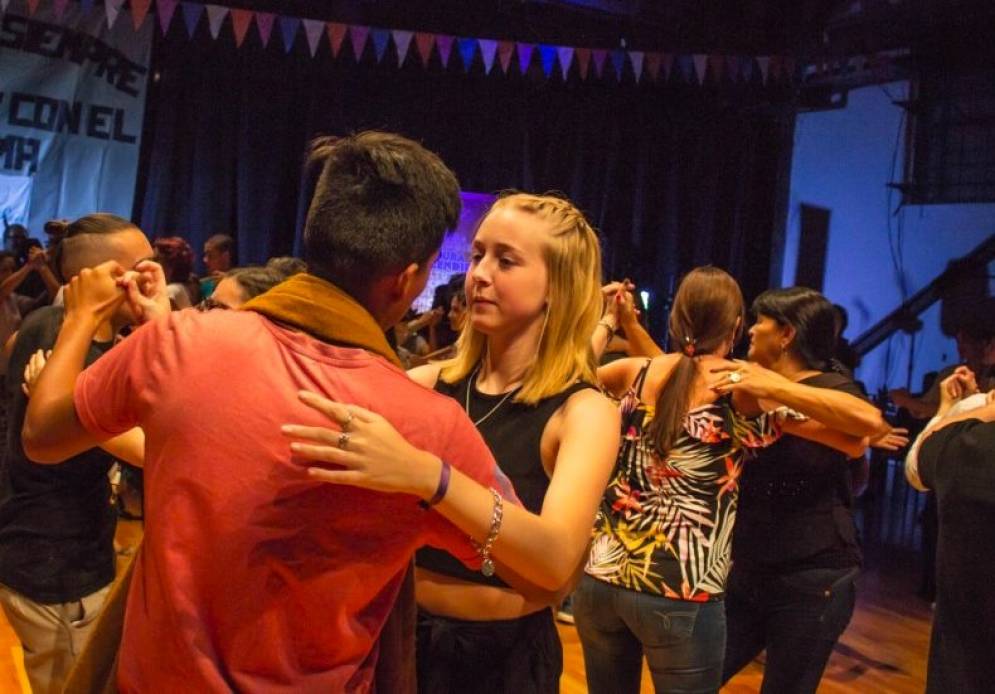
(735, 377)
(344, 440)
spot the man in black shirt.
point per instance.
(955, 458)
(56, 522)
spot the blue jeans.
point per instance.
(796, 617)
(683, 641)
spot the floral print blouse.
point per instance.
(665, 524)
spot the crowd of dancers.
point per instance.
(319, 519)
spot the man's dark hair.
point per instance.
(381, 202)
(254, 281)
(74, 251)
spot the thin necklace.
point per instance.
(466, 406)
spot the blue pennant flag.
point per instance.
(380, 37)
(618, 61)
(288, 28)
(467, 49)
(548, 56)
(191, 15)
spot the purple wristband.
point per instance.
(443, 487)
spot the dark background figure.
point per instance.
(219, 258)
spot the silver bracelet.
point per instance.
(497, 515)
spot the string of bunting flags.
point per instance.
(493, 54)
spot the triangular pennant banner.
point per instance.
(747, 69)
(32, 7)
(763, 62)
(288, 30)
(424, 43)
(313, 29)
(60, 8)
(467, 49)
(86, 6)
(264, 25)
(700, 66)
(336, 35)
(775, 68)
(488, 49)
(139, 11)
(566, 56)
(402, 40)
(445, 44)
(618, 62)
(653, 65)
(358, 33)
(165, 10)
(380, 39)
(112, 8)
(734, 67)
(685, 65)
(668, 65)
(599, 56)
(505, 51)
(788, 68)
(717, 64)
(191, 16)
(240, 20)
(636, 58)
(525, 56)
(215, 18)
(583, 61)
(547, 58)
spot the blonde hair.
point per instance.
(573, 263)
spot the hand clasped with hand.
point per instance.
(367, 448)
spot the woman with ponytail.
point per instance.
(795, 547)
(656, 578)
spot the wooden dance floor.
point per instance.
(883, 650)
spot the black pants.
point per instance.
(797, 617)
(513, 656)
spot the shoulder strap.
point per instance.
(637, 385)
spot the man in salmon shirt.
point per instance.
(253, 576)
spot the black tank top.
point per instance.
(513, 432)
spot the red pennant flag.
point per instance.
(583, 57)
(264, 24)
(653, 65)
(788, 68)
(336, 35)
(139, 10)
(424, 43)
(505, 51)
(668, 65)
(445, 45)
(32, 7)
(775, 68)
(165, 9)
(717, 64)
(240, 20)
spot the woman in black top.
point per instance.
(522, 370)
(795, 547)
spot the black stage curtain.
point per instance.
(673, 176)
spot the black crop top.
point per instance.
(513, 432)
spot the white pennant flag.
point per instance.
(637, 63)
(700, 66)
(566, 56)
(215, 18)
(402, 39)
(3, 5)
(313, 29)
(112, 8)
(488, 49)
(764, 62)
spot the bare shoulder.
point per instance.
(427, 375)
(588, 409)
(660, 369)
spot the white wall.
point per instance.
(842, 161)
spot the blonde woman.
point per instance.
(523, 371)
